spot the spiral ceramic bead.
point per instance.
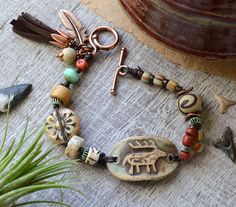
(70, 124)
(189, 103)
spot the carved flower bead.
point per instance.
(70, 122)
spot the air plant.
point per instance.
(31, 171)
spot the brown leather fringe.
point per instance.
(28, 26)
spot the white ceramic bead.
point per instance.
(73, 147)
(93, 156)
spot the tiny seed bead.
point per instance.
(200, 136)
(178, 88)
(165, 82)
(185, 148)
(151, 78)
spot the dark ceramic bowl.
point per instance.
(206, 28)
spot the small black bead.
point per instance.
(151, 78)
(178, 88)
(165, 81)
(102, 159)
(88, 57)
(66, 84)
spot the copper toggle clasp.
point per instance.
(94, 38)
(119, 71)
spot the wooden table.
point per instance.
(138, 109)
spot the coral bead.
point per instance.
(82, 64)
(192, 132)
(68, 55)
(71, 75)
(184, 155)
(198, 147)
(188, 140)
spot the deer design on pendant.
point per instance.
(143, 158)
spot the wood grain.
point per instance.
(138, 109)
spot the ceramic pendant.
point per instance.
(14, 94)
(143, 158)
(70, 122)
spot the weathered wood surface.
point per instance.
(138, 109)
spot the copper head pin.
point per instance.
(119, 71)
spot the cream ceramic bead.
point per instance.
(70, 122)
(91, 156)
(74, 146)
(68, 55)
(189, 103)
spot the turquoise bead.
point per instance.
(71, 75)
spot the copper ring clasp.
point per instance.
(94, 37)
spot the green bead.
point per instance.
(71, 75)
(195, 120)
(185, 148)
(157, 82)
(146, 77)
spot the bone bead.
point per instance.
(189, 103)
(91, 156)
(74, 146)
(62, 93)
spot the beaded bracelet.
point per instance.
(136, 158)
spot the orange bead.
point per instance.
(192, 132)
(188, 140)
(198, 147)
(82, 64)
(184, 155)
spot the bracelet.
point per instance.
(136, 158)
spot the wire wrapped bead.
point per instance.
(62, 93)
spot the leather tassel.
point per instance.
(31, 28)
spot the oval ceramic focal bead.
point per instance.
(70, 122)
(189, 103)
(143, 158)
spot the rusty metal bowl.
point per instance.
(206, 28)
